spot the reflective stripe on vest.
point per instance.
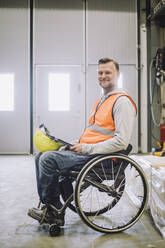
(101, 130)
(92, 137)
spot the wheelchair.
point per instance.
(110, 193)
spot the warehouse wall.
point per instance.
(68, 39)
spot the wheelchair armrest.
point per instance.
(127, 151)
(124, 152)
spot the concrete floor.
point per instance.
(18, 193)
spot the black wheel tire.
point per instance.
(54, 230)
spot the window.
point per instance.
(6, 92)
(59, 92)
(120, 81)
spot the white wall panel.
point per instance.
(130, 83)
(112, 30)
(14, 50)
(58, 32)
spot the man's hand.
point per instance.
(76, 148)
(62, 148)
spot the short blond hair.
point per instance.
(107, 60)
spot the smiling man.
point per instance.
(112, 118)
(109, 130)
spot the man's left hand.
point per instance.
(76, 148)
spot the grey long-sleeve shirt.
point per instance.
(124, 115)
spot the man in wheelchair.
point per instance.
(109, 130)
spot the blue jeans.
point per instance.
(48, 164)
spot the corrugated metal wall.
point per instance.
(67, 35)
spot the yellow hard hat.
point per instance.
(43, 142)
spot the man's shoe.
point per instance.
(46, 215)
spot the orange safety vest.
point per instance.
(101, 124)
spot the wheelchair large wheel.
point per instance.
(117, 193)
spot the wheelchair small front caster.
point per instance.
(54, 230)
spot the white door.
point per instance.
(60, 94)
